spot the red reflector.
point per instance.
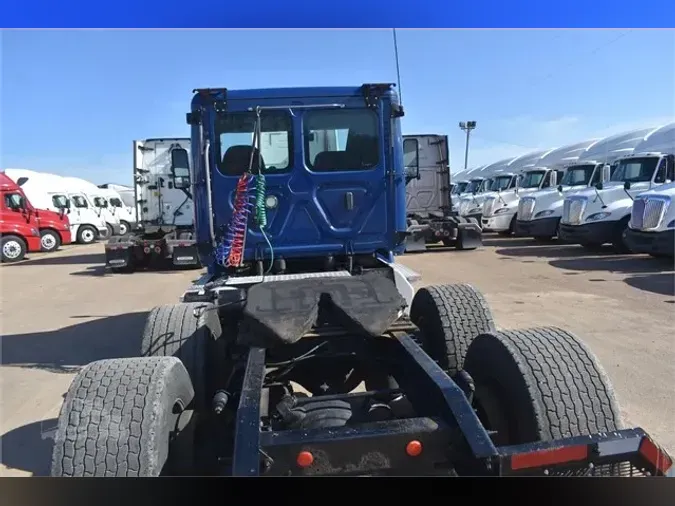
(550, 457)
(657, 457)
(305, 459)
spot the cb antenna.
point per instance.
(398, 69)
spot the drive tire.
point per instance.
(449, 317)
(13, 249)
(540, 384)
(50, 241)
(125, 417)
(86, 234)
(173, 330)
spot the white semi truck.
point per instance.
(651, 228)
(96, 200)
(428, 200)
(123, 206)
(54, 192)
(539, 213)
(498, 179)
(600, 215)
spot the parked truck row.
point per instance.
(616, 190)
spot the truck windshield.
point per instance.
(459, 188)
(60, 201)
(79, 201)
(635, 170)
(532, 179)
(472, 186)
(500, 183)
(234, 132)
(128, 199)
(578, 175)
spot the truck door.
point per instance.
(430, 193)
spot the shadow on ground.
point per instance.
(66, 350)
(661, 284)
(84, 258)
(626, 264)
(29, 448)
(553, 250)
(512, 242)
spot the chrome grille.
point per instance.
(488, 206)
(648, 212)
(526, 208)
(573, 211)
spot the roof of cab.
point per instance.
(6, 183)
(661, 139)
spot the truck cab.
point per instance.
(651, 228)
(52, 192)
(84, 191)
(19, 224)
(472, 207)
(600, 215)
(124, 212)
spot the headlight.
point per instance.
(597, 216)
(502, 210)
(543, 214)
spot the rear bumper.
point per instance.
(543, 227)
(658, 243)
(590, 233)
(127, 251)
(497, 223)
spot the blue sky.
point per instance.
(71, 102)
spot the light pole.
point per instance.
(467, 127)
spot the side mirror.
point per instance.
(626, 185)
(599, 185)
(560, 188)
(554, 179)
(606, 173)
(180, 168)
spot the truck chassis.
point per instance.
(215, 389)
(153, 247)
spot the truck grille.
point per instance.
(526, 208)
(647, 213)
(489, 206)
(573, 211)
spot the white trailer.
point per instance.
(539, 213)
(600, 215)
(53, 192)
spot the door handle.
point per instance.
(349, 201)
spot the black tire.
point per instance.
(540, 384)
(449, 318)
(111, 230)
(619, 244)
(13, 249)
(173, 330)
(125, 228)
(121, 417)
(49, 240)
(86, 234)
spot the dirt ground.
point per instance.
(62, 311)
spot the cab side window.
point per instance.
(13, 201)
(662, 171)
(547, 180)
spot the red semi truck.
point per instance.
(25, 229)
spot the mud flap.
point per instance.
(469, 236)
(118, 254)
(185, 255)
(417, 238)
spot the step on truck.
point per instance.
(600, 215)
(305, 351)
(164, 233)
(428, 202)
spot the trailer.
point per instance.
(305, 350)
(600, 215)
(429, 211)
(164, 231)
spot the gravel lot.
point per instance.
(61, 311)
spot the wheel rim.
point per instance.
(87, 235)
(48, 241)
(11, 250)
(123, 229)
